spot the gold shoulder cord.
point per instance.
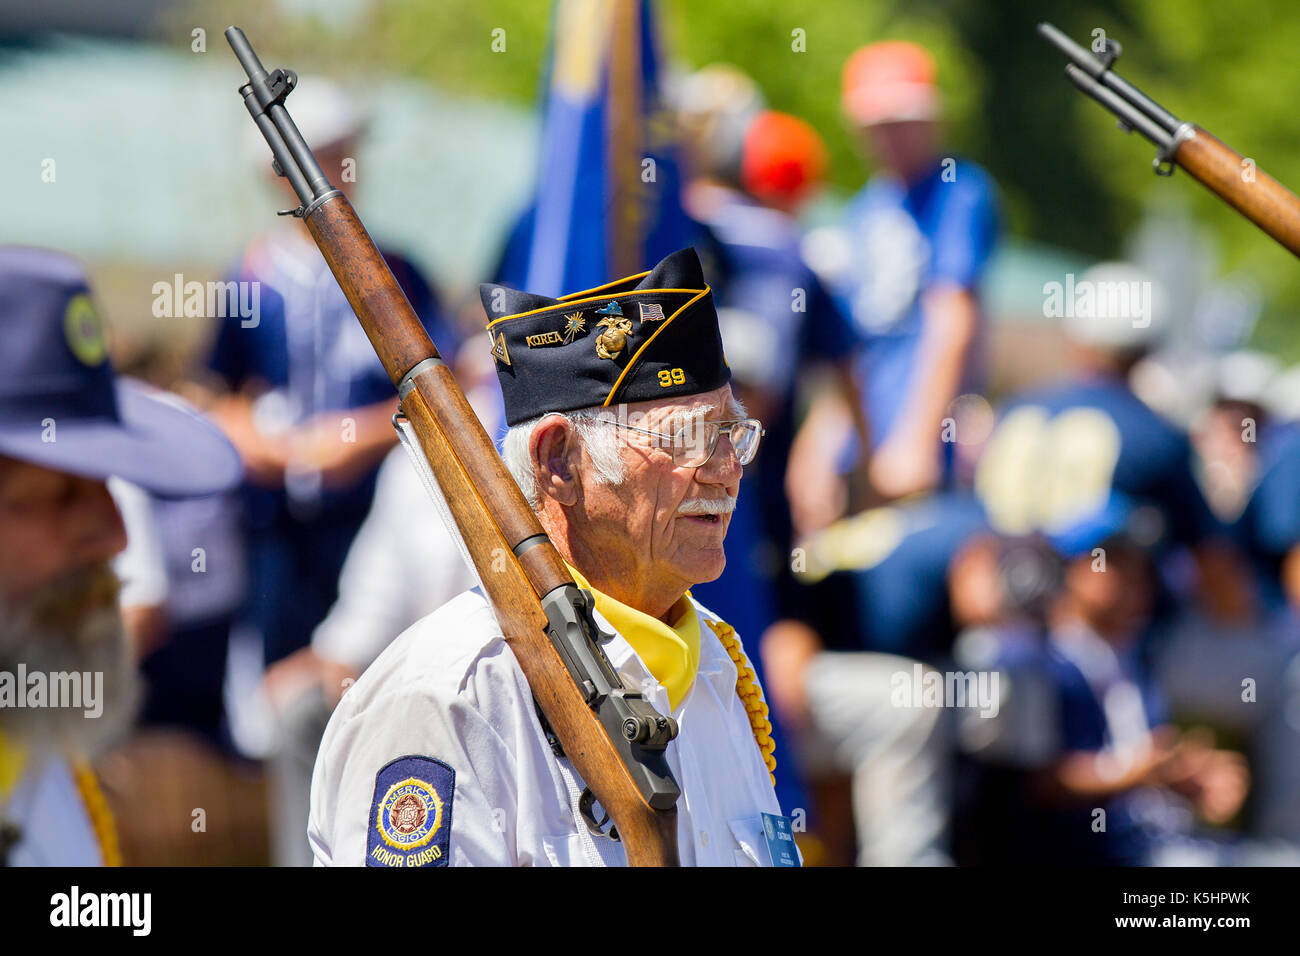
(101, 818)
(747, 690)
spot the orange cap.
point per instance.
(783, 159)
(890, 81)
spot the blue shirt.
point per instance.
(1073, 716)
(888, 586)
(306, 347)
(1269, 526)
(1057, 454)
(774, 311)
(902, 240)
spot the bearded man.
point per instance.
(628, 443)
(67, 684)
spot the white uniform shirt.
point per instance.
(142, 566)
(450, 689)
(391, 577)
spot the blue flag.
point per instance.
(608, 201)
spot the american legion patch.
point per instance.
(410, 817)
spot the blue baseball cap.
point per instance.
(61, 405)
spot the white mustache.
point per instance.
(708, 506)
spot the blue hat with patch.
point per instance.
(62, 407)
(649, 336)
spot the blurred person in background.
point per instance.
(305, 399)
(1269, 522)
(1226, 435)
(1081, 765)
(1058, 451)
(141, 569)
(183, 574)
(880, 596)
(879, 581)
(752, 169)
(66, 425)
(785, 335)
(1266, 658)
(907, 266)
(204, 562)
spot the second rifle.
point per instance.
(1233, 178)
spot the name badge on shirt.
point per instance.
(780, 840)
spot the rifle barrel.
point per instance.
(1128, 114)
(292, 154)
(1107, 79)
(245, 54)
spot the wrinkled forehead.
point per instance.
(682, 410)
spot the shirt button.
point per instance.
(704, 838)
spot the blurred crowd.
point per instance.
(1059, 625)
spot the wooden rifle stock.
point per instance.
(515, 560)
(1252, 192)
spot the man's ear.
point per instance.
(554, 450)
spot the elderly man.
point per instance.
(627, 441)
(66, 681)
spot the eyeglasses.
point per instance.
(695, 444)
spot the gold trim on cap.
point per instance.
(646, 344)
(605, 285)
(569, 303)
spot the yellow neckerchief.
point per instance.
(12, 761)
(672, 653)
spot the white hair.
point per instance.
(601, 442)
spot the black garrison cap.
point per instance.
(649, 336)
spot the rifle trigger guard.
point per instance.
(597, 828)
(1163, 164)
